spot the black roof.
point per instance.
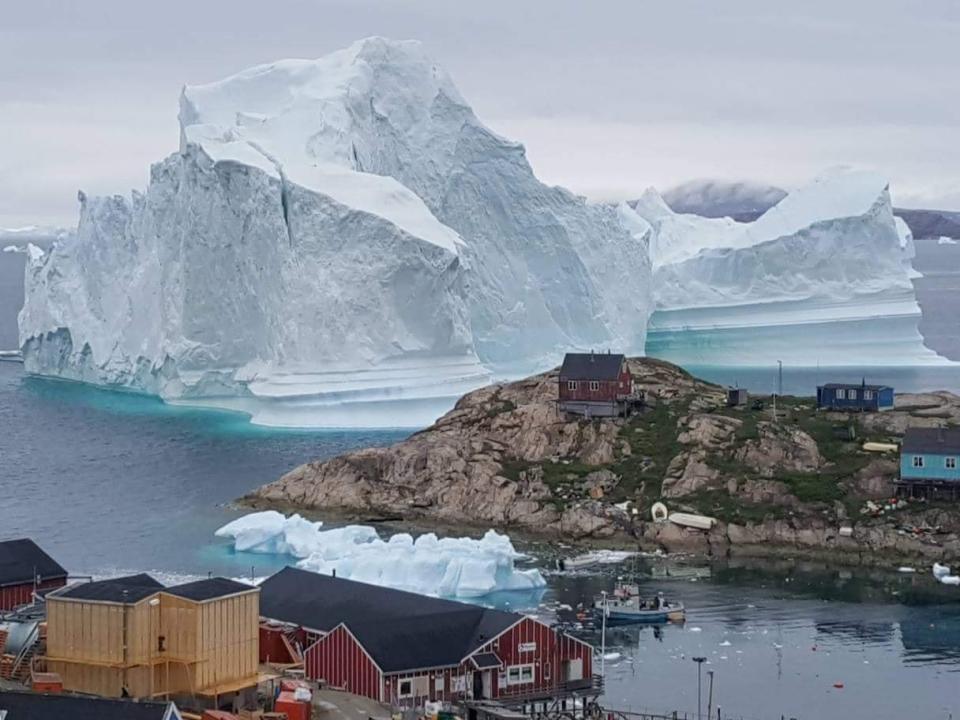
(484, 661)
(33, 706)
(21, 560)
(855, 386)
(129, 589)
(937, 441)
(400, 630)
(209, 589)
(591, 366)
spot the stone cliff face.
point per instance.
(505, 457)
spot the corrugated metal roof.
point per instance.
(21, 560)
(936, 441)
(400, 630)
(591, 366)
(855, 386)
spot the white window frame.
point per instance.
(868, 394)
(950, 463)
(400, 692)
(594, 385)
(515, 674)
(439, 685)
(571, 384)
(851, 394)
(841, 394)
(918, 461)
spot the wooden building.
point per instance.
(930, 462)
(132, 636)
(24, 570)
(859, 397)
(38, 706)
(405, 649)
(595, 385)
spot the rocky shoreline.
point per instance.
(505, 457)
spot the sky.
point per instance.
(609, 97)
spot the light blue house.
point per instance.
(930, 458)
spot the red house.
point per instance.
(595, 384)
(405, 649)
(24, 569)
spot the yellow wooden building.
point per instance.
(133, 636)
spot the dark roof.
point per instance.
(400, 630)
(33, 706)
(484, 661)
(855, 386)
(129, 589)
(209, 589)
(591, 366)
(21, 560)
(937, 441)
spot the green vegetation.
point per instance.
(652, 436)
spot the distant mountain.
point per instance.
(746, 201)
(743, 201)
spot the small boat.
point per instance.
(626, 606)
(699, 522)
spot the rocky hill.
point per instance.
(505, 456)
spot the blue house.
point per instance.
(930, 458)
(854, 396)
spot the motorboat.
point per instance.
(625, 606)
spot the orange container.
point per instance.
(294, 709)
(46, 682)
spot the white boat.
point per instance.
(625, 606)
(699, 522)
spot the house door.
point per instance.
(488, 684)
(477, 685)
(573, 670)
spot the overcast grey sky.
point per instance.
(609, 97)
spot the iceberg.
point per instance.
(445, 567)
(822, 277)
(337, 242)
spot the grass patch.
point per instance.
(728, 508)
(652, 436)
(503, 406)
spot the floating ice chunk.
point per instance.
(944, 240)
(696, 629)
(726, 643)
(612, 656)
(448, 567)
(940, 570)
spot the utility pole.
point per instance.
(710, 695)
(603, 635)
(699, 661)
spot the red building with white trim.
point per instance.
(25, 569)
(405, 649)
(595, 384)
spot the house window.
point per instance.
(841, 394)
(438, 684)
(405, 688)
(950, 463)
(594, 385)
(852, 394)
(519, 674)
(571, 384)
(918, 461)
(868, 394)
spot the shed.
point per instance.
(404, 649)
(36, 706)
(134, 635)
(595, 384)
(24, 569)
(737, 397)
(855, 396)
(930, 460)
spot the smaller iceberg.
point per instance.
(445, 567)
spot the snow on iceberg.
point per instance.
(829, 261)
(334, 238)
(447, 567)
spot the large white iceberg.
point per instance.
(332, 237)
(447, 567)
(823, 277)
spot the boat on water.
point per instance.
(626, 606)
